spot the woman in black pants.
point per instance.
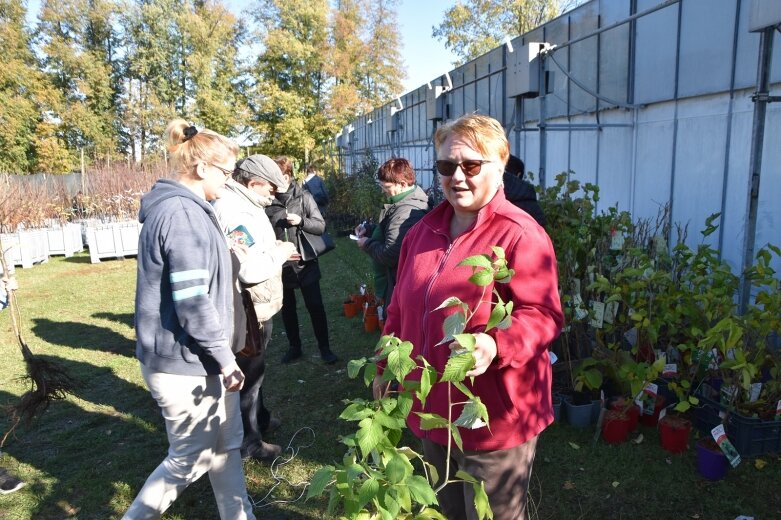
(288, 212)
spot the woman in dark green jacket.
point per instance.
(406, 205)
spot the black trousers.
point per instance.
(314, 304)
(254, 415)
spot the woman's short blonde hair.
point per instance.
(485, 133)
(204, 146)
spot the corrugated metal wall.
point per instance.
(686, 71)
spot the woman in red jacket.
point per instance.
(512, 368)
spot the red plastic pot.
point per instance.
(370, 323)
(615, 427)
(674, 433)
(652, 419)
(351, 308)
(633, 411)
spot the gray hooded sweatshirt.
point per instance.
(184, 291)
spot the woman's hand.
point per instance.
(484, 353)
(359, 230)
(289, 250)
(361, 241)
(241, 251)
(232, 377)
(293, 219)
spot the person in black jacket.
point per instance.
(406, 205)
(521, 192)
(288, 212)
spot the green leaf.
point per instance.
(464, 390)
(453, 325)
(497, 315)
(473, 416)
(369, 374)
(477, 261)
(428, 377)
(430, 514)
(456, 436)
(399, 362)
(397, 468)
(421, 490)
(368, 436)
(682, 406)
(466, 477)
(498, 252)
(404, 404)
(482, 278)
(354, 367)
(319, 481)
(457, 367)
(356, 411)
(466, 341)
(481, 502)
(450, 302)
(405, 497)
(430, 421)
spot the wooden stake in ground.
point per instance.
(48, 381)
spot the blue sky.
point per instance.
(425, 57)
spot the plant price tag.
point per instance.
(580, 312)
(778, 410)
(611, 311)
(670, 370)
(720, 436)
(598, 318)
(754, 391)
(616, 240)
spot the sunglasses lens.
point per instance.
(471, 168)
(446, 168)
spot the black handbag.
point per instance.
(312, 246)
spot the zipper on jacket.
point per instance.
(426, 296)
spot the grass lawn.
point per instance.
(88, 455)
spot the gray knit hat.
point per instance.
(264, 167)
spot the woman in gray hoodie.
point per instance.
(184, 319)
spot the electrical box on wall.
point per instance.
(764, 14)
(524, 71)
(392, 120)
(436, 108)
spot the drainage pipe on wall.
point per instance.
(760, 98)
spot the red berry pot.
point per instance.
(652, 419)
(632, 411)
(615, 427)
(674, 433)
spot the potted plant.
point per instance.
(615, 426)
(580, 406)
(711, 461)
(674, 432)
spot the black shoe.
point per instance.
(328, 357)
(291, 355)
(9, 484)
(273, 424)
(266, 452)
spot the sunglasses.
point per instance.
(470, 167)
(225, 171)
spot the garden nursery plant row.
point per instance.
(654, 333)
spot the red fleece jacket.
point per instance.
(516, 388)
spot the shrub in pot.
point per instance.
(711, 461)
(674, 430)
(615, 426)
